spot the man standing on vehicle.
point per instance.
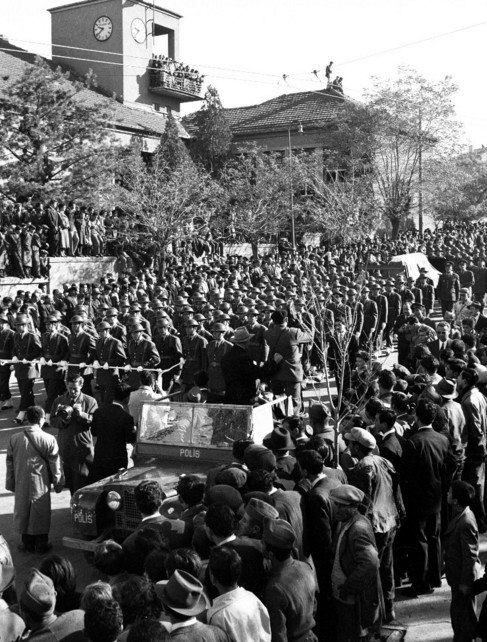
(286, 342)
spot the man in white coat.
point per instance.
(33, 464)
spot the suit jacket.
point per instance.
(481, 323)
(390, 447)
(27, 346)
(474, 406)
(317, 510)
(74, 437)
(434, 347)
(241, 376)
(54, 348)
(359, 560)
(461, 543)
(448, 287)
(382, 309)
(114, 429)
(199, 632)
(111, 352)
(427, 465)
(286, 342)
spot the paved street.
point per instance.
(427, 618)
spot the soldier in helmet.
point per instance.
(216, 350)
(27, 346)
(55, 348)
(170, 350)
(6, 353)
(81, 350)
(141, 353)
(110, 354)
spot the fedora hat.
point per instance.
(242, 335)
(183, 594)
(446, 388)
(279, 439)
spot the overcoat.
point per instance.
(28, 478)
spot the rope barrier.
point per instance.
(88, 367)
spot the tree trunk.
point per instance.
(396, 224)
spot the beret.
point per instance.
(234, 477)
(258, 510)
(257, 456)
(224, 494)
(278, 533)
(347, 495)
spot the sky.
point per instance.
(245, 47)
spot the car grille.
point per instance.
(128, 518)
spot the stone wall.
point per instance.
(80, 269)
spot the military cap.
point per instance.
(137, 327)
(163, 322)
(362, 437)
(242, 309)
(103, 326)
(199, 317)
(112, 312)
(52, 318)
(218, 327)
(253, 312)
(278, 533)
(258, 510)
(191, 323)
(347, 495)
(77, 319)
(103, 306)
(187, 308)
(157, 304)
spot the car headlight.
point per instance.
(114, 500)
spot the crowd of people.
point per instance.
(308, 535)
(166, 72)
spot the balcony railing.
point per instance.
(174, 79)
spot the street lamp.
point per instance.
(291, 188)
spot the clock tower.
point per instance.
(119, 40)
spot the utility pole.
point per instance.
(420, 172)
(291, 190)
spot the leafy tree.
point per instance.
(257, 188)
(403, 124)
(459, 188)
(211, 143)
(52, 141)
(167, 201)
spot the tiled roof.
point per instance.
(308, 108)
(14, 61)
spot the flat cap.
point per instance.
(347, 495)
(362, 437)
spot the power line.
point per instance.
(398, 47)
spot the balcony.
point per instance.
(173, 79)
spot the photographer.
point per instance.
(72, 414)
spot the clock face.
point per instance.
(103, 28)
(138, 30)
